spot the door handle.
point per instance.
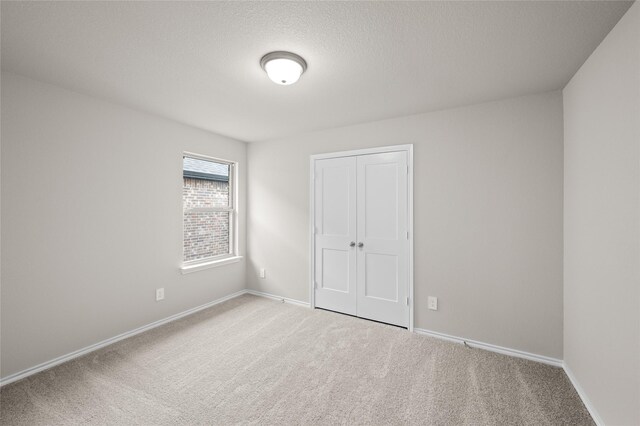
(352, 244)
(360, 245)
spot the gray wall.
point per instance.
(488, 216)
(602, 224)
(92, 221)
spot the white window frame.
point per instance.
(226, 258)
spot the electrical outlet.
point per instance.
(263, 273)
(432, 303)
(159, 294)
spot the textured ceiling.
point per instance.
(198, 62)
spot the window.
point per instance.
(208, 206)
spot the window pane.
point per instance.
(206, 184)
(206, 234)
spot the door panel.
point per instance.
(381, 183)
(335, 268)
(381, 281)
(335, 199)
(383, 259)
(335, 229)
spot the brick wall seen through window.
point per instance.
(206, 194)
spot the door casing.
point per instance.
(393, 148)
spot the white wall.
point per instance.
(488, 216)
(602, 225)
(92, 221)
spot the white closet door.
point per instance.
(335, 234)
(383, 248)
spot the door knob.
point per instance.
(360, 244)
(352, 244)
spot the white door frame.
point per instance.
(312, 220)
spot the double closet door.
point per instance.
(361, 239)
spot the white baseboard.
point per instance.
(493, 348)
(75, 354)
(583, 396)
(278, 298)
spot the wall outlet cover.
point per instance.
(159, 294)
(432, 303)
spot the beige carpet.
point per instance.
(256, 361)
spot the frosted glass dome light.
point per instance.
(283, 68)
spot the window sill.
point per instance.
(212, 264)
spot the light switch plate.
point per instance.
(159, 294)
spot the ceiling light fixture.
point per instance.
(283, 68)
